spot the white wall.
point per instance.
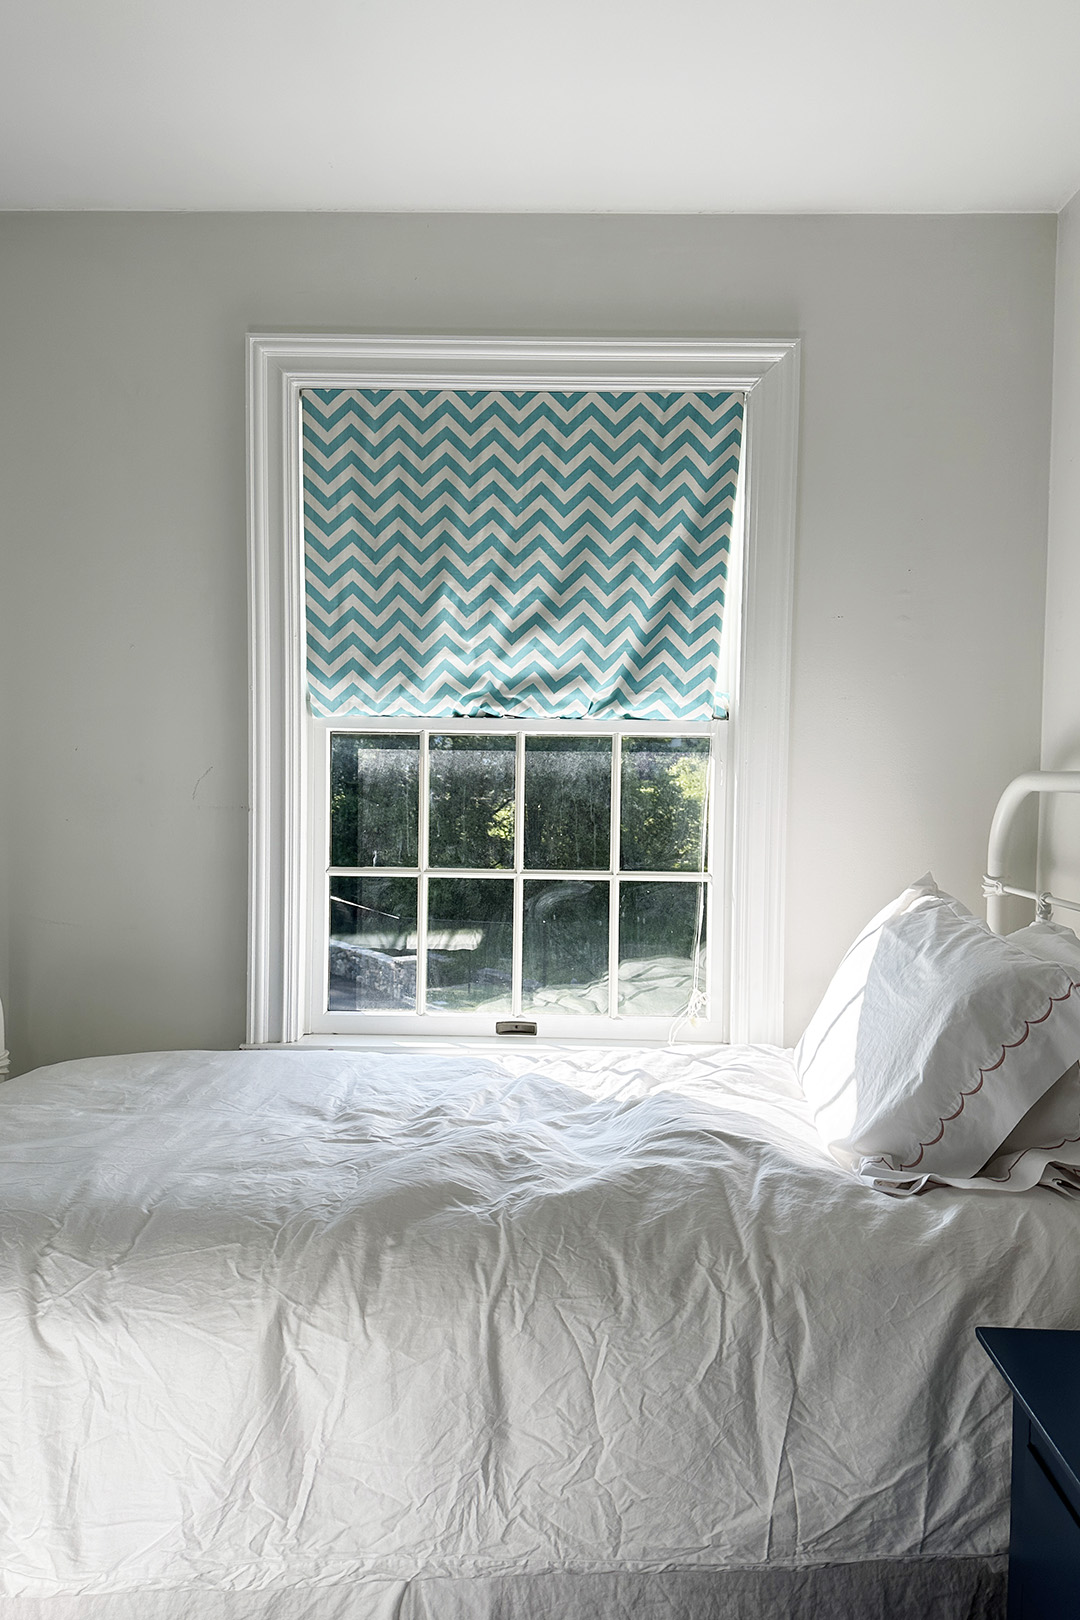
(1060, 847)
(920, 592)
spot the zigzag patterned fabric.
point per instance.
(504, 553)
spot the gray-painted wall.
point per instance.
(1060, 850)
(918, 637)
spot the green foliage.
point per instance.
(663, 804)
(568, 803)
(373, 800)
(374, 821)
(472, 801)
(375, 813)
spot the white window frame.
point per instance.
(757, 636)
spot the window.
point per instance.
(425, 869)
(565, 877)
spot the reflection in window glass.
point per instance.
(372, 944)
(565, 946)
(568, 802)
(663, 804)
(373, 799)
(470, 944)
(472, 801)
(661, 937)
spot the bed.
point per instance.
(374, 1336)
(332, 1335)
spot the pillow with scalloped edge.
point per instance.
(953, 1035)
(1044, 1148)
(1051, 942)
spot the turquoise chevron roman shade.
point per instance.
(507, 553)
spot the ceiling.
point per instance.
(555, 105)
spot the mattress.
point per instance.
(300, 1323)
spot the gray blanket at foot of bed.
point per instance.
(888, 1589)
(917, 1589)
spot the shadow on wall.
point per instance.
(1059, 833)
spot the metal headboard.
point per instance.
(994, 886)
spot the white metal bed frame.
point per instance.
(994, 887)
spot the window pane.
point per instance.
(565, 956)
(374, 799)
(568, 802)
(470, 944)
(659, 943)
(372, 944)
(663, 803)
(472, 801)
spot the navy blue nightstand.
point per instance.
(1042, 1368)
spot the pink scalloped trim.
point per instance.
(1051, 1148)
(1009, 1046)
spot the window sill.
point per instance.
(481, 1044)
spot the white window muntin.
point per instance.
(550, 1025)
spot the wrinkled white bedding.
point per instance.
(271, 1319)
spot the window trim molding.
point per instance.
(279, 366)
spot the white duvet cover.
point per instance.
(282, 1319)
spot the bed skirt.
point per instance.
(884, 1589)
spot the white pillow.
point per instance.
(958, 1033)
(825, 1057)
(1045, 1145)
(1051, 942)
